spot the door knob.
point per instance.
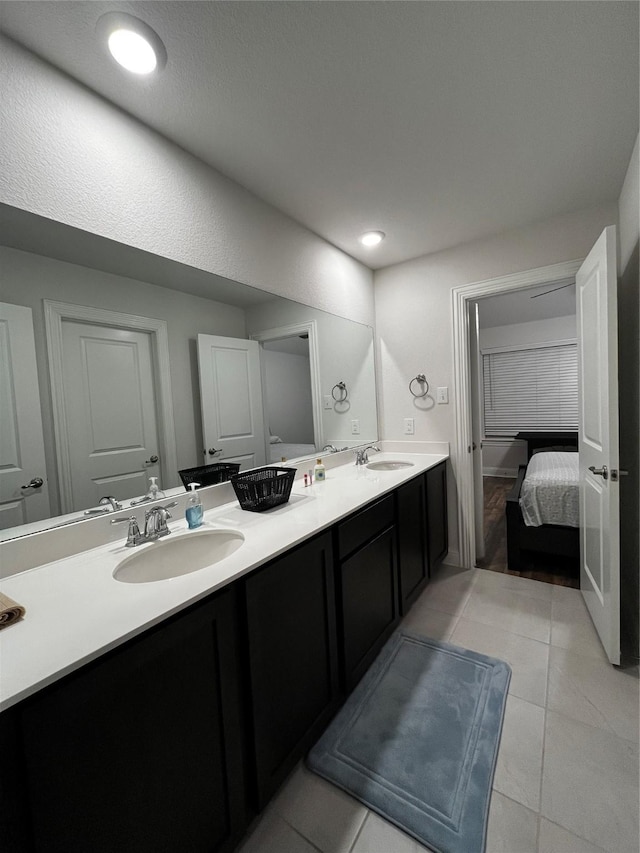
(34, 483)
(601, 472)
(151, 460)
(213, 451)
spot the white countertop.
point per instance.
(76, 610)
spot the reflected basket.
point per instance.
(263, 488)
(209, 475)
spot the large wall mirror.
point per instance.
(118, 365)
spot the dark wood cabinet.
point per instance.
(173, 740)
(437, 529)
(293, 662)
(413, 558)
(367, 590)
(141, 751)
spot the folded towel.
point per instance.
(10, 611)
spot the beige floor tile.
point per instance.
(319, 811)
(527, 658)
(555, 839)
(422, 619)
(519, 766)
(487, 579)
(590, 783)
(449, 590)
(593, 692)
(274, 835)
(510, 611)
(571, 626)
(379, 836)
(512, 828)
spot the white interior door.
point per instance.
(476, 426)
(109, 398)
(231, 400)
(21, 440)
(598, 440)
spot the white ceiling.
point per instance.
(436, 122)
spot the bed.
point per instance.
(542, 509)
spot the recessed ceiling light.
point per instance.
(372, 238)
(132, 43)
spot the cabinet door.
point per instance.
(141, 751)
(413, 564)
(369, 608)
(292, 658)
(437, 530)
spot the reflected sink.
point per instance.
(177, 555)
(389, 465)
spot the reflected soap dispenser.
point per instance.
(155, 492)
(194, 507)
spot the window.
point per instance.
(531, 389)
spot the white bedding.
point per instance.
(549, 492)
(290, 451)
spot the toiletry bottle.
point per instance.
(194, 507)
(154, 493)
(319, 472)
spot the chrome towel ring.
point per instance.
(342, 392)
(422, 380)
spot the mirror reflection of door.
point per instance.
(231, 401)
(288, 397)
(21, 437)
(109, 397)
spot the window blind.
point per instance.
(531, 389)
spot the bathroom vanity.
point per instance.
(175, 734)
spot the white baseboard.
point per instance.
(500, 472)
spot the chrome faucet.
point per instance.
(362, 455)
(106, 504)
(331, 448)
(155, 525)
(155, 522)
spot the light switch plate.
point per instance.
(327, 401)
(443, 395)
(409, 426)
(355, 427)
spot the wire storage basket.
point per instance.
(209, 475)
(263, 488)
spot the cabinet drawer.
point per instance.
(364, 525)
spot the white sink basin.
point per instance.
(389, 465)
(179, 555)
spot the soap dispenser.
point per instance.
(155, 492)
(194, 507)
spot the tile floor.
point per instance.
(567, 774)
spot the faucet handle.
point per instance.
(133, 534)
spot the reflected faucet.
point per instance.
(106, 504)
(362, 455)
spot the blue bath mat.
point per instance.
(418, 738)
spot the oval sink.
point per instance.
(389, 465)
(177, 555)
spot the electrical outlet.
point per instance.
(409, 426)
(443, 395)
(355, 427)
(328, 404)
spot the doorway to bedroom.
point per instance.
(525, 385)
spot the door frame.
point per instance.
(308, 327)
(462, 461)
(55, 313)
